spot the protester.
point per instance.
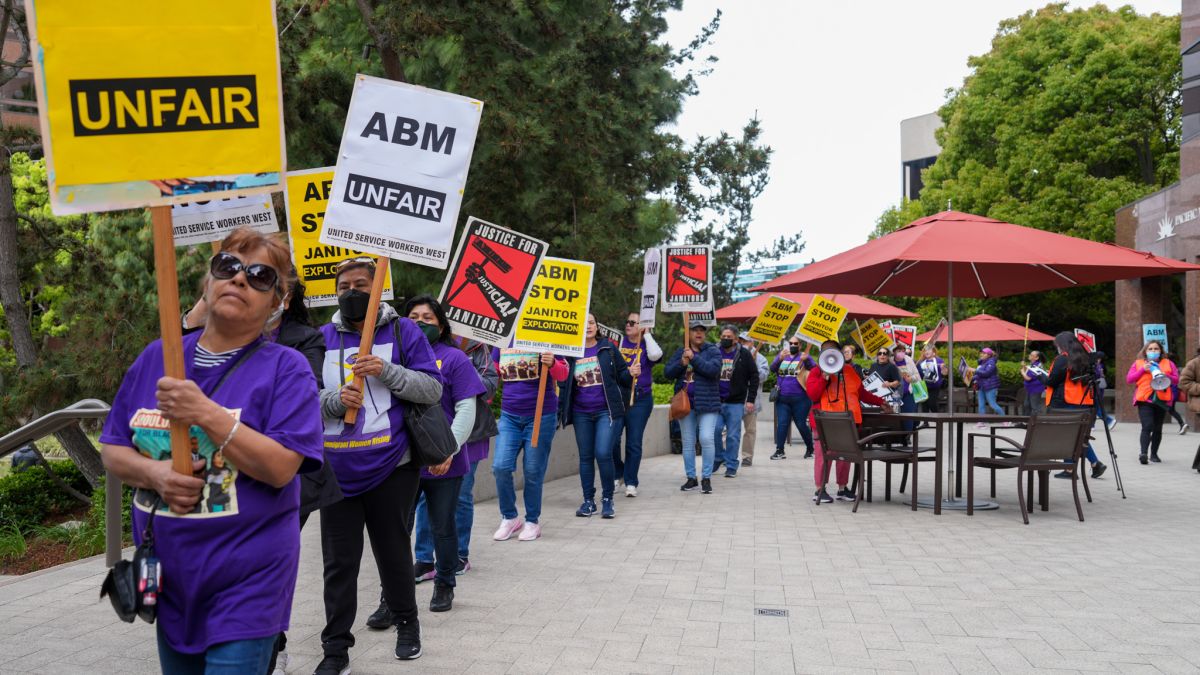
(750, 419)
(698, 370)
(1175, 398)
(520, 370)
(793, 405)
(441, 485)
(476, 450)
(987, 382)
(1189, 383)
(837, 393)
(934, 371)
(290, 326)
(593, 398)
(641, 352)
(908, 375)
(1033, 372)
(371, 459)
(887, 371)
(1151, 403)
(1069, 386)
(251, 408)
(848, 352)
(739, 388)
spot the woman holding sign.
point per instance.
(593, 399)
(1152, 374)
(371, 459)
(698, 370)
(792, 404)
(520, 371)
(641, 352)
(228, 536)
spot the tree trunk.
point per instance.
(383, 42)
(74, 441)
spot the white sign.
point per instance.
(202, 222)
(401, 171)
(874, 384)
(650, 288)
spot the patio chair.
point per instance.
(840, 441)
(1050, 442)
(875, 422)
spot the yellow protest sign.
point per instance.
(822, 321)
(872, 337)
(148, 103)
(306, 194)
(555, 313)
(774, 319)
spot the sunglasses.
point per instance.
(631, 323)
(355, 261)
(884, 353)
(260, 277)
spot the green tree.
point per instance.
(1071, 115)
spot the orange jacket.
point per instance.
(848, 394)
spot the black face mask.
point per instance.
(726, 343)
(353, 305)
(795, 349)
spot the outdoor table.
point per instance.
(939, 421)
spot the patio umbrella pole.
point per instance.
(951, 436)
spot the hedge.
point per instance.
(29, 497)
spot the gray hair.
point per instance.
(730, 327)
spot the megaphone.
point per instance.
(1160, 382)
(831, 361)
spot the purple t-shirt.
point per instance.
(789, 370)
(461, 382)
(363, 456)
(518, 370)
(589, 382)
(229, 567)
(727, 359)
(476, 451)
(634, 350)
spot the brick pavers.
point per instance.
(671, 585)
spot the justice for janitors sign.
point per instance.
(401, 171)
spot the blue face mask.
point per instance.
(1153, 356)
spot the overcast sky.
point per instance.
(830, 82)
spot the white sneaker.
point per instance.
(630, 490)
(281, 664)
(530, 532)
(508, 527)
(1183, 428)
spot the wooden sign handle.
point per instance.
(637, 357)
(167, 280)
(368, 329)
(543, 371)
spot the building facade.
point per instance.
(918, 150)
(749, 277)
(1166, 223)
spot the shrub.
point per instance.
(12, 544)
(658, 376)
(663, 393)
(29, 497)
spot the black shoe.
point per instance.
(1063, 474)
(382, 618)
(463, 566)
(730, 474)
(748, 462)
(706, 486)
(1155, 459)
(1098, 469)
(1142, 459)
(408, 640)
(846, 495)
(808, 454)
(717, 465)
(779, 455)
(691, 484)
(424, 571)
(443, 598)
(333, 664)
(822, 497)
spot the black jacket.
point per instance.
(743, 383)
(616, 378)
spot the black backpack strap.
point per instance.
(236, 364)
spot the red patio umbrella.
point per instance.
(988, 328)
(857, 306)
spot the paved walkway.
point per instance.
(673, 583)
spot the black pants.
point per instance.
(1175, 415)
(387, 513)
(1152, 417)
(441, 503)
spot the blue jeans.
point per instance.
(700, 426)
(593, 435)
(439, 497)
(729, 450)
(227, 658)
(987, 399)
(516, 436)
(792, 409)
(634, 425)
(464, 519)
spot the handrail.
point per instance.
(88, 408)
